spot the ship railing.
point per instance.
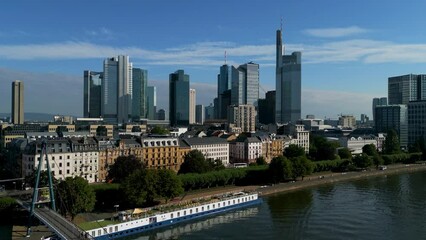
(188, 204)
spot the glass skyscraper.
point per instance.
(245, 84)
(179, 98)
(92, 94)
(140, 79)
(406, 88)
(224, 79)
(117, 88)
(151, 102)
(288, 84)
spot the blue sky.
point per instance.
(349, 48)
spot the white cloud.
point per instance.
(212, 53)
(101, 32)
(335, 32)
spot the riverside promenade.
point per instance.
(309, 181)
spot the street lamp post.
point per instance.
(116, 208)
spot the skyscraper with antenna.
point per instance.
(223, 85)
(288, 83)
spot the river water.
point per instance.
(385, 207)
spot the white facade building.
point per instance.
(211, 147)
(245, 150)
(67, 158)
(356, 143)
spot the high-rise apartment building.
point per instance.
(383, 101)
(402, 89)
(242, 117)
(92, 94)
(199, 114)
(245, 84)
(179, 98)
(288, 84)
(151, 102)
(393, 117)
(347, 121)
(17, 102)
(117, 89)
(139, 95)
(192, 101)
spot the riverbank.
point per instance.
(330, 178)
(309, 181)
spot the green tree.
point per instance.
(369, 149)
(169, 185)
(392, 145)
(73, 196)
(216, 164)
(159, 130)
(194, 162)
(43, 181)
(101, 131)
(418, 146)
(302, 167)
(362, 161)
(280, 169)
(141, 187)
(377, 160)
(123, 167)
(321, 149)
(261, 161)
(344, 153)
(294, 150)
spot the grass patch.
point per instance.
(96, 224)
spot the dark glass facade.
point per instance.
(179, 98)
(92, 94)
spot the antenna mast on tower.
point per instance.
(225, 57)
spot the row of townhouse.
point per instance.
(91, 157)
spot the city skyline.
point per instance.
(344, 48)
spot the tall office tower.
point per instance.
(199, 114)
(151, 102)
(288, 84)
(383, 101)
(17, 102)
(225, 101)
(209, 112)
(92, 94)
(139, 96)
(393, 117)
(266, 108)
(243, 117)
(161, 115)
(224, 79)
(416, 122)
(116, 101)
(402, 89)
(192, 101)
(245, 84)
(179, 98)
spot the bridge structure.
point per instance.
(63, 228)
